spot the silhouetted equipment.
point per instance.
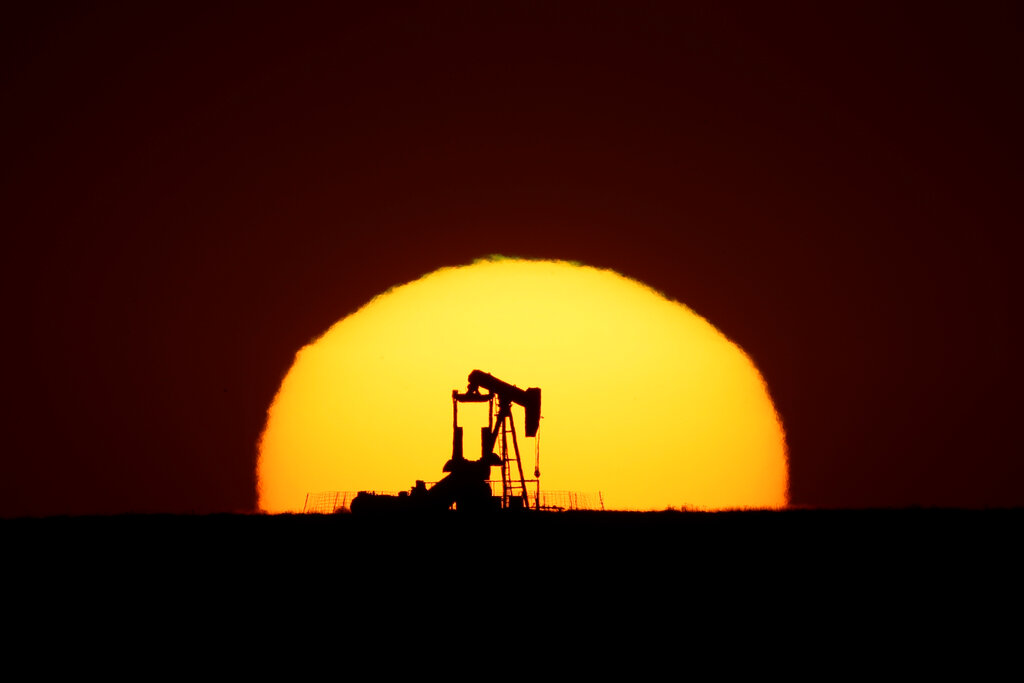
(466, 484)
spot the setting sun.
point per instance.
(644, 401)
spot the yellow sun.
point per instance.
(643, 400)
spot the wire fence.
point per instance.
(570, 500)
(329, 502)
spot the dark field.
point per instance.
(593, 542)
(763, 577)
(589, 590)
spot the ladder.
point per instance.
(513, 487)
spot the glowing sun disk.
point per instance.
(643, 400)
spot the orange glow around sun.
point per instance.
(643, 400)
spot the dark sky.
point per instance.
(192, 192)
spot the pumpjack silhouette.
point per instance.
(466, 485)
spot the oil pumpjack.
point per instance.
(466, 484)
